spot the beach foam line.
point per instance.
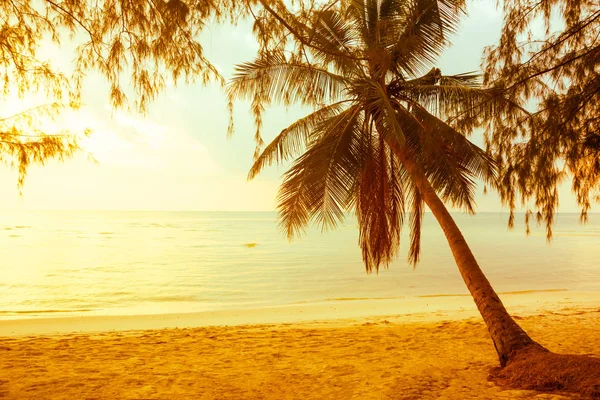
(435, 295)
(405, 310)
(535, 291)
(51, 311)
(500, 293)
(358, 298)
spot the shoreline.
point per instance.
(432, 348)
(332, 312)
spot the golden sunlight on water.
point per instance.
(105, 263)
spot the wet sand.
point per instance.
(420, 348)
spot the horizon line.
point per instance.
(234, 211)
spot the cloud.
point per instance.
(137, 142)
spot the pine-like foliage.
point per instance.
(136, 45)
(557, 71)
(23, 142)
(366, 67)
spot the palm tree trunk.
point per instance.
(509, 338)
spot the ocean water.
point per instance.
(119, 263)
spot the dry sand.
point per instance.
(432, 348)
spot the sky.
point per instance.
(178, 156)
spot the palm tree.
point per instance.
(379, 141)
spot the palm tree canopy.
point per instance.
(366, 67)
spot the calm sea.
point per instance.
(108, 263)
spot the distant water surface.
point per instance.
(108, 263)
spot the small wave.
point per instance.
(174, 298)
(348, 299)
(362, 298)
(511, 292)
(21, 312)
(106, 233)
(157, 225)
(118, 293)
(62, 271)
(590, 234)
(535, 291)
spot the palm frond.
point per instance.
(277, 79)
(320, 181)
(416, 224)
(335, 42)
(364, 15)
(293, 198)
(380, 107)
(476, 160)
(452, 163)
(427, 27)
(435, 78)
(449, 96)
(293, 139)
(380, 203)
(457, 99)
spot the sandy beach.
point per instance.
(419, 348)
